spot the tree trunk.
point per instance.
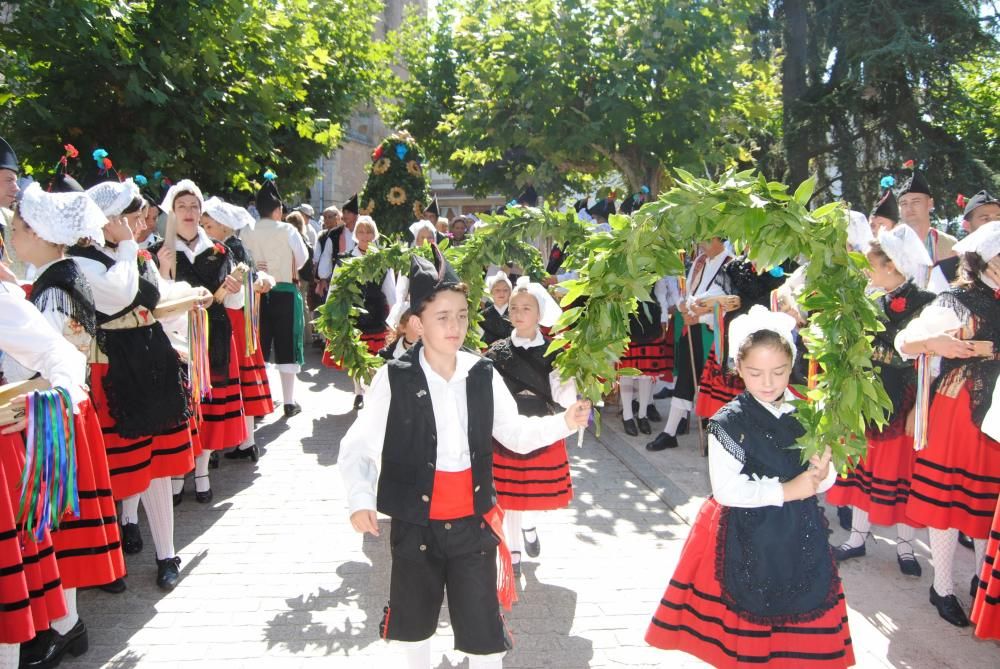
(793, 89)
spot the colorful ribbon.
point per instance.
(813, 377)
(199, 369)
(923, 402)
(719, 316)
(251, 315)
(775, 302)
(48, 484)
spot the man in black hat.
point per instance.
(279, 250)
(980, 209)
(528, 197)
(349, 212)
(421, 452)
(915, 206)
(9, 170)
(432, 212)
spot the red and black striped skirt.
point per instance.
(88, 547)
(956, 478)
(655, 358)
(133, 463)
(986, 607)
(692, 617)
(254, 386)
(880, 483)
(374, 341)
(538, 481)
(222, 423)
(717, 387)
(31, 594)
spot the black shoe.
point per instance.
(516, 564)
(908, 564)
(682, 427)
(644, 426)
(532, 548)
(845, 516)
(845, 552)
(213, 460)
(168, 572)
(292, 409)
(50, 649)
(631, 428)
(115, 587)
(252, 453)
(949, 609)
(663, 393)
(359, 402)
(131, 539)
(179, 496)
(662, 442)
(653, 414)
(966, 541)
(974, 587)
(202, 497)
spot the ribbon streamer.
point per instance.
(719, 316)
(251, 314)
(48, 484)
(775, 302)
(199, 368)
(923, 401)
(813, 373)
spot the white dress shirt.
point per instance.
(707, 285)
(731, 487)
(668, 294)
(361, 447)
(114, 288)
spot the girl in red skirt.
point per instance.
(986, 607)
(956, 478)
(540, 480)
(223, 221)
(756, 582)
(204, 262)
(878, 487)
(378, 300)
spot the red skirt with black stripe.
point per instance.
(692, 617)
(880, 483)
(986, 608)
(717, 388)
(254, 386)
(374, 341)
(654, 359)
(31, 594)
(88, 547)
(133, 463)
(956, 478)
(222, 423)
(538, 481)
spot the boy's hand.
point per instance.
(365, 521)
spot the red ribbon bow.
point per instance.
(908, 164)
(898, 304)
(960, 201)
(220, 249)
(71, 151)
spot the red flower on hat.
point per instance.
(107, 164)
(556, 255)
(898, 304)
(167, 182)
(220, 249)
(960, 201)
(71, 151)
(908, 164)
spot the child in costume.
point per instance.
(496, 318)
(756, 582)
(421, 451)
(540, 480)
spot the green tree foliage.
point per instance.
(547, 91)
(213, 90)
(396, 190)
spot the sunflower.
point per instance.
(413, 167)
(381, 166)
(396, 196)
(368, 208)
(418, 208)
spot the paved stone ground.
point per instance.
(274, 576)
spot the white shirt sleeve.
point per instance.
(518, 433)
(930, 323)
(831, 478)
(563, 393)
(299, 249)
(731, 487)
(389, 288)
(361, 447)
(114, 289)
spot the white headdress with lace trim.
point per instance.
(548, 309)
(113, 197)
(62, 218)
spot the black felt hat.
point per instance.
(529, 197)
(887, 207)
(8, 159)
(428, 278)
(978, 200)
(432, 208)
(351, 205)
(604, 208)
(64, 183)
(580, 205)
(268, 198)
(916, 184)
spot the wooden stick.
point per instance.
(697, 391)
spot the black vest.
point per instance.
(148, 294)
(409, 454)
(495, 326)
(73, 296)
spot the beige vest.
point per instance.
(269, 246)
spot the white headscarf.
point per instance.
(760, 318)
(113, 197)
(985, 241)
(179, 188)
(228, 215)
(416, 227)
(548, 309)
(906, 251)
(859, 231)
(499, 277)
(62, 218)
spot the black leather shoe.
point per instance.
(966, 541)
(845, 516)
(631, 428)
(202, 497)
(179, 497)
(662, 442)
(359, 402)
(682, 427)
(252, 453)
(974, 587)
(644, 426)
(131, 539)
(213, 460)
(949, 609)
(115, 587)
(845, 552)
(653, 414)
(292, 409)
(532, 548)
(52, 647)
(663, 393)
(908, 564)
(168, 572)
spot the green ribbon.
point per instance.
(298, 318)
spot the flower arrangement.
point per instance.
(396, 196)
(381, 166)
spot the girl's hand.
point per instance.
(365, 521)
(732, 303)
(205, 298)
(911, 422)
(820, 464)
(20, 406)
(231, 284)
(949, 346)
(6, 274)
(261, 286)
(166, 256)
(578, 415)
(802, 486)
(117, 230)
